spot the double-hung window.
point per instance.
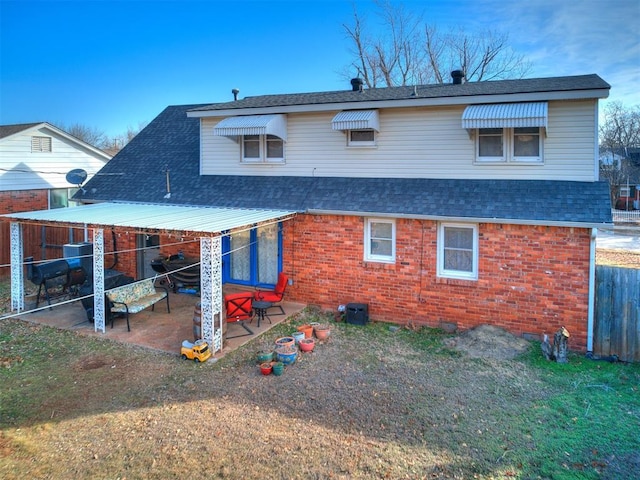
(458, 251)
(510, 145)
(262, 149)
(380, 240)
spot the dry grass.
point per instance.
(368, 403)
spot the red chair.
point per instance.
(276, 295)
(239, 309)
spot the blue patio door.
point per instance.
(253, 257)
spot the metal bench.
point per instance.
(135, 297)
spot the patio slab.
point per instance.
(155, 329)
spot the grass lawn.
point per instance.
(372, 402)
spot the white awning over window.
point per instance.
(253, 125)
(505, 115)
(356, 120)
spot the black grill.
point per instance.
(57, 273)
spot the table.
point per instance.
(261, 308)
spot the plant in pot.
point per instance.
(322, 331)
(307, 344)
(278, 368)
(266, 368)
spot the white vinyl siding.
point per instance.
(424, 142)
(22, 169)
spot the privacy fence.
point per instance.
(617, 313)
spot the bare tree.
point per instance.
(620, 143)
(410, 51)
(91, 135)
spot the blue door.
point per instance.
(253, 257)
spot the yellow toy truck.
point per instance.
(197, 351)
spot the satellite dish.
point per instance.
(77, 176)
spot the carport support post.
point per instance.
(211, 293)
(98, 280)
(17, 270)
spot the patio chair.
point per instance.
(274, 296)
(239, 309)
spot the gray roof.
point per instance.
(440, 91)
(8, 130)
(138, 173)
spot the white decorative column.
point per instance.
(17, 270)
(211, 293)
(98, 280)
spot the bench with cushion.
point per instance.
(135, 297)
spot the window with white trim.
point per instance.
(40, 144)
(361, 138)
(262, 149)
(509, 145)
(380, 240)
(458, 251)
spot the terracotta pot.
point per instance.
(307, 329)
(285, 342)
(322, 332)
(266, 368)
(307, 344)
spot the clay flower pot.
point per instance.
(265, 356)
(278, 368)
(287, 355)
(266, 368)
(307, 329)
(285, 342)
(298, 336)
(322, 332)
(307, 344)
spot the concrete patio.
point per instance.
(156, 328)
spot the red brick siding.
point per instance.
(23, 201)
(531, 279)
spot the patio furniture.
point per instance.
(239, 309)
(274, 296)
(261, 308)
(135, 297)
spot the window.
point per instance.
(458, 251)
(625, 191)
(361, 138)
(262, 149)
(380, 240)
(40, 144)
(61, 198)
(511, 145)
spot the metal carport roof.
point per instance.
(157, 217)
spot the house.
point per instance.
(438, 205)
(34, 161)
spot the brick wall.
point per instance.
(531, 279)
(23, 201)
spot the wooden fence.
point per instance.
(617, 313)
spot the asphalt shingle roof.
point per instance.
(500, 87)
(8, 130)
(171, 143)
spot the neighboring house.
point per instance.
(34, 161)
(623, 171)
(459, 204)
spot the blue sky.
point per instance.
(116, 64)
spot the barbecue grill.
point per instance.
(57, 273)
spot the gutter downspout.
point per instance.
(592, 292)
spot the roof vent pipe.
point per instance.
(458, 77)
(357, 84)
(235, 92)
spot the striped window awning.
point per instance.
(253, 125)
(505, 115)
(356, 120)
